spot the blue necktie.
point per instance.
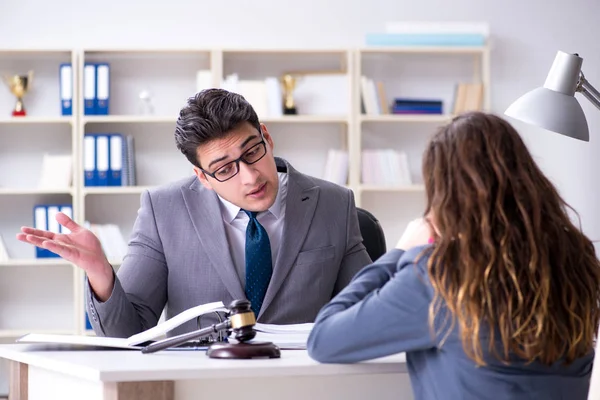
(258, 262)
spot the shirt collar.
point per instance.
(230, 211)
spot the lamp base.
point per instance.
(243, 350)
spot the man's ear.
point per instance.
(202, 178)
(266, 135)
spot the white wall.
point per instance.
(526, 36)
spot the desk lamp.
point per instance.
(553, 106)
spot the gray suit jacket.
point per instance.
(179, 257)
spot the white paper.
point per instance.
(131, 342)
(76, 340)
(286, 337)
(174, 322)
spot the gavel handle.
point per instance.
(177, 340)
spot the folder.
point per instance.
(44, 218)
(89, 88)
(89, 160)
(68, 211)
(102, 89)
(116, 160)
(66, 88)
(39, 222)
(102, 160)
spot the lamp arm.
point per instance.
(589, 91)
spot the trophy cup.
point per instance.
(288, 82)
(19, 85)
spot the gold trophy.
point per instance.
(288, 81)
(19, 85)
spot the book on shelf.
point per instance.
(417, 106)
(108, 159)
(386, 167)
(370, 99)
(44, 217)
(57, 171)
(3, 251)
(468, 97)
(111, 238)
(433, 33)
(336, 167)
(96, 88)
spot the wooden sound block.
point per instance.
(243, 350)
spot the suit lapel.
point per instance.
(203, 207)
(301, 202)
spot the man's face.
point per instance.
(255, 186)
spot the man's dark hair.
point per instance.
(209, 115)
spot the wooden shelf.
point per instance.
(43, 262)
(306, 119)
(406, 118)
(16, 333)
(34, 52)
(114, 190)
(149, 119)
(384, 188)
(130, 119)
(277, 51)
(36, 120)
(23, 192)
(423, 49)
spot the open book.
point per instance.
(133, 342)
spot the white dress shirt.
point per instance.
(235, 221)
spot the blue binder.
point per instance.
(102, 89)
(115, 150)
(102, 159)
(66, 88)
(89, 160)
(89, 89)
(44, 217)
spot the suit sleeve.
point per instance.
(140, 291)
(383, 311)
(355, 256)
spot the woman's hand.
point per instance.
(418, 232)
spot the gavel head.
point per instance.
(242, 320)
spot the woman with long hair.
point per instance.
(493, 294)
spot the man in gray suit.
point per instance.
(248, 225)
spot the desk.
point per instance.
(183, 375)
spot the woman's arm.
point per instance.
(383, 311)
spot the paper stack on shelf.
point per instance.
(434, 33)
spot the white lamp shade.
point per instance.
(553, 106)
(554, 111)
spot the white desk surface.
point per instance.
(131, 365)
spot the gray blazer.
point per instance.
(179, 257)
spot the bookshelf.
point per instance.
(408, 72)
(34, 288)
(36, 295)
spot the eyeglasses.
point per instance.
(231, 169)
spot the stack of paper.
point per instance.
(293, 336)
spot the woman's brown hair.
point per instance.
(508, 264)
